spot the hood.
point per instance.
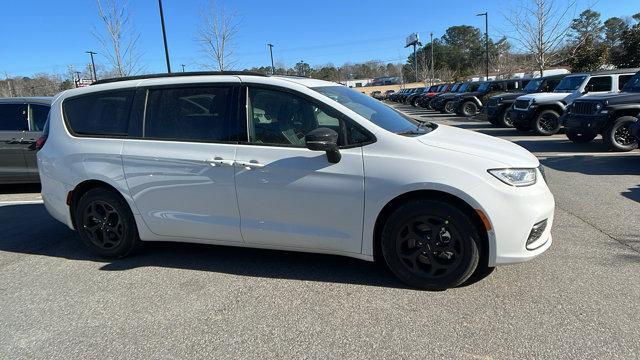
(508, 96)
(480, 145)
(541, 98)
(619, 98)
(471, 93)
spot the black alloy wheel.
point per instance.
(547, 123)
(618, 135)
(430, 244)
(505, 118)
(448, 107)
(469, 108)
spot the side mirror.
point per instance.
(324, 139)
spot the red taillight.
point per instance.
(40, 142)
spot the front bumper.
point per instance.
(523, 117)
(585, 123)
(495, 112)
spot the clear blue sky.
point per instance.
(47, 36)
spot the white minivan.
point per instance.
(288, 163)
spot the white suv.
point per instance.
(288, 163)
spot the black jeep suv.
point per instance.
(445, 102)
(498, 107)
(610, 115)
(469, 103)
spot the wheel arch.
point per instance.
(617, 112)
(481, 222)
(83, 187)
(557, 107)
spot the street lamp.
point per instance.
(183, 65)
(273, 68)
(486, 41)
(164, 37)
(93, 64)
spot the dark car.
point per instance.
(413, 98)
(22, 121)
(610, 115)
(470, 103)
(443, 102)
(425, 99)
(635, 128)
(403, 97)
(388, 93)
(498, 107)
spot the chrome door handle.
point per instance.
(248, 165)
(219, 161)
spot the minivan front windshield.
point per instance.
(374, 111)
(633, 85)
(570, 83)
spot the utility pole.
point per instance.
(183, 65)
(273, 68)
(164, 37)
(93, 64)
(486, 41)
(432, 73)
(77, 78)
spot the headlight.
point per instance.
(515, 177)
(500, 100)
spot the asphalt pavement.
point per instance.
(580, 300)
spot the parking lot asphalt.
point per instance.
(580, 300)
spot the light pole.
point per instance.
(432, 73)
(183, 65)
(486, 41)
(93, 65)
(164, 37)
(273, 68)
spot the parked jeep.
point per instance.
(498, 107)
(418, 100)
(610, 115)
(635, 128)
(413, 98)
(469, 103)
(541, 112)
(445, 103)
(425, 99)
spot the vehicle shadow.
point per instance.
(51, 238)
(598, 165)
(559, 144)
(633, 193)
(19, 188)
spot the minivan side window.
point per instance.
(39, 114)
(599, 83)
(104, 113)
(13, 117)
(623, 79)
(281, 118)
(199, 114)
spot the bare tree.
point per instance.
(540, 28)
(216, 35)
(119, 39)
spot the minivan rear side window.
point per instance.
(599, 83)
(104, 113)
(13, 117)
(190, 114)
(39, 114)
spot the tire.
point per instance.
(469, 108)
(430, 244)
(618, 134)
(580, 137)
(414, 102)
(447, 108)
(547, 123)
(105, 224)
(505, 119)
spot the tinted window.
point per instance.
(512, 85)
(533, 85)
(282, 118)
(39, 115)
(633, 84)
(103, 113)
(189, 114)
(570, 83)
(599, 83)
(551, 85)
(13, 117)
(622, 80)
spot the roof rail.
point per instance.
(162, 75)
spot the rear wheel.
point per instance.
(469, 108)
(580, 137)
(105, 223)
(430, 244)
(547, 123)
(618, 134)
(414, 102)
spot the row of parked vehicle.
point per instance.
(585, 105)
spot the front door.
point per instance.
(181, 174)
(13, 128)
(290, 196)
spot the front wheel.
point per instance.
(430, 244)
(105, 224)
(469, 108)
(580, 137)
(618, 135)
(547, 123)
(505, 119)
(449, 108)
